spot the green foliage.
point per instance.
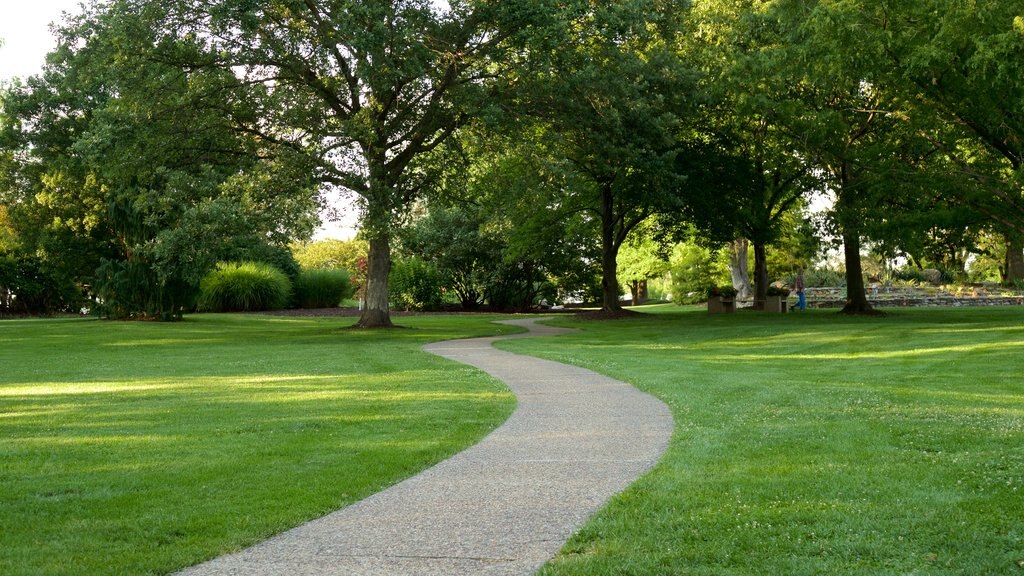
(244, 287)
(260, 251)
(909, 274)
(322, 288)
(694, 269)
(331, 253)
(641, 257)
(8, 234)
(133, 290)
(30, 286)
(467, 254)
(415, 285)
(818, 278)
(114, 154)
(476, 257)
(722, 291)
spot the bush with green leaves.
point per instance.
(244, 287)
(696, 268)
(818, 278)
(415, 285)
(330, 253)
(29, 286)
(911, 275)
(125, 290)
(322, 288)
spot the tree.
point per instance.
(748, 146)
(946, 74)
(331, 253)
(641, 258)
(368, 91)
(966, 62)
(609, 105)
(456, 240)
(128, 172)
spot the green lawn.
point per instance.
(140, 448)
(805, 444)
(815, 444)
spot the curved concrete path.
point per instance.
(502, 507)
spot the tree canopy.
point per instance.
(164, 137)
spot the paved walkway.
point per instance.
(502, 507)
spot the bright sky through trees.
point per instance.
(24, 30)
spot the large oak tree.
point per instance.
(368, 90)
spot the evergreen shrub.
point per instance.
(244, 287)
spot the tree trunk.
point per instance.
(1014, 271)
(856, 295)
(760, 275)
(634, 290)
(376, 312)
(609, 253)
(641, 291)
(740, 268)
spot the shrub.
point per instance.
(818, 278)
(722, 291)
(244, 287)
(29, 286)
(322, 288)
(276, 256)
(415, 285)
(133, 290)
(908, 276)
(331, 254)
(694, 269)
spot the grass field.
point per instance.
(140, 448)
(805, 444)
(811, 444)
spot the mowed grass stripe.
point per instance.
(140, 448)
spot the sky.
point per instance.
(25, 33)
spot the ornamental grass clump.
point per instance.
(324, 288)
(244, 287)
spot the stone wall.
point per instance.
(892, 296)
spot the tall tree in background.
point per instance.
(610, 104)
(922, 71)
(749, 146)
(368, 91)
(130, 177)
(966, 61)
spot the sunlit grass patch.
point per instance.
(140, 448)
(815, 444)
